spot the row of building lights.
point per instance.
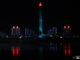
(15, 51)
(15, 27)
(65, 27)
(67, 50)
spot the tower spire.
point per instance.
(40, 21)
(40, 4)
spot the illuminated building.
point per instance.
(15, 31)
(28, 32)
(52, 31)
(67, 31)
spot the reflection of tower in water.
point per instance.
(40, 21)
(53, 47)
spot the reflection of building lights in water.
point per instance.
(17, 51)
(53, 46)
(13, 51)
(76, 57)
(41, 53)
(69, 46)
(67, 49)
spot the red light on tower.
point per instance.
(65, 27)
(68, 27)
(40, 4)
(13, 27)
(17, 27)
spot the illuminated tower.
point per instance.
(40, 21)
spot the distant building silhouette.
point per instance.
(3, 35)
(67, 31)
(15, 31)
(52, 31)
(28, 32)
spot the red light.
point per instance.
(13, 27)
(65, 51)
(17, 51)
(68, 46)
(40, 4)
(65, 46)
(17, 27)
(65, 27)
(13, 51)
(69, 27)
(69, 51)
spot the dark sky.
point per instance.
(26, 14)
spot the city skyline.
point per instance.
(57, 13)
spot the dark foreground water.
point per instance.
(40, 50)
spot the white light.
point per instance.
(51, 35)
(61, 37)
(20, 37)
(76, 57)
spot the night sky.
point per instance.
(26, 14)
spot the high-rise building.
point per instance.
(15, 31)
(52, 31)
(67, 31)
(28, 32)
